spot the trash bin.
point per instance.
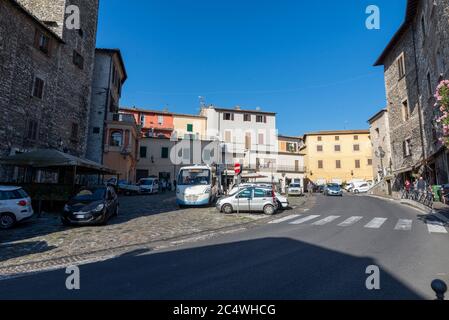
(436, 190)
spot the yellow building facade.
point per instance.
(338, 156)
(190, 125)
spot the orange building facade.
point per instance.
(155, 124)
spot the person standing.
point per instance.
(310, 188)
(408, 185)
(421, 185)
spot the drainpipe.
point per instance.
(421, 128)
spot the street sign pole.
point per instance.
(238, 172)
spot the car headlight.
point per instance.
(207, 190)
(99, 208)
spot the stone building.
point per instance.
(290, 161)
(381, 144)
(381, 147)
(108, 78)
(415, 60)
(45, 75)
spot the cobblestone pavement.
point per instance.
(44, 243)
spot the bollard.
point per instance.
(440, 288)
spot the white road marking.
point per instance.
(287, 218)
(436, 227)
(325, 221)
(376, 223)
(404, 225)
(350, 221)
(304, 219)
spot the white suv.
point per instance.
(15, 206)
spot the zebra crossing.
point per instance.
(435, 224)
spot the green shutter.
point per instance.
(164, 153)
(190, 128)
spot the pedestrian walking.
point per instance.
(408, 185)
(310, 188)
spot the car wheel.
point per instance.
(7, 220)
(356, 191)
(269, 209)
(227, 209)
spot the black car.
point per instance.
(91, 206)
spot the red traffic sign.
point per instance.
(237, 169)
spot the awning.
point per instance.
(50, 158)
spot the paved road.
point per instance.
(322, 253)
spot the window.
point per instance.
(247, 117)
(248, 141)
(292, 147)
(190, 128)
(356, 147)
(320, 164)
(407, 148)
(116, 139)
(429, 84)
(262, 193)
(142, 120)
(337, 138)
(356, 138)
(401, 66)
(38, 88)
(96, 130)
(405, 110)
(378, 132)
(338, 164)
(320, 138)
(357, 164)
(228, 116)
(370, 162)
(261, 138)
(246, 194)
(74, 133)
(78, 60)
(228, 137)
(164, 153)
(143, 152)
(32, 130)
(261, 119)
(319, 148)
(423, 25)
(160, 120)
(42, 42)
(337, 148)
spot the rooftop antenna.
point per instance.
(202, 102)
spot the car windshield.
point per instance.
(146, 182)
(194, 177)
(90, 195)
(334, 187)
(294, 185)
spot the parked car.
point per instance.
(128, 188)
(250, 199)
(91, 206)
(149, 185)
(281, 201)
(333, 190)
(362, 188)
(15, 206)
(294, 189)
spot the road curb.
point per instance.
(404, 202)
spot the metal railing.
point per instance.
(423, 197)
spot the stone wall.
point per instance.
(67, 89)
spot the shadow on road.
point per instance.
(270, 268)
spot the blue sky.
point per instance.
(310, 61)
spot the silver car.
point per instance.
(250, 199)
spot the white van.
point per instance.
(149, 185)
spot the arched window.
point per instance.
(116, 139)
